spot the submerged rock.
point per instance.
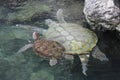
(12, 4)
(42, 75)
(21, 11)
(28, 11)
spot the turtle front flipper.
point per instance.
(60, 16)
(84, 61)
(24, 48)
(53, 61)
(99, 55)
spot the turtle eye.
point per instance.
(35, 35)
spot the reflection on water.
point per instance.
(27, 65)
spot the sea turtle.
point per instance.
(45, 48)
(75, 38)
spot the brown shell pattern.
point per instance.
(48, 48)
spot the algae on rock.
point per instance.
(28, 11)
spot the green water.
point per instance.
(29, 66)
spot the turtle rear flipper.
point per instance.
(68, 57)
(99, 55)
(84, 61)
(53, 61)
(24, 48)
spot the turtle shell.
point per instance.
(73, 37)
(48, 48)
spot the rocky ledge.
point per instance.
(105, 13)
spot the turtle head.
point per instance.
(35, 35)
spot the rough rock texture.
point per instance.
(12, 4)
(104, 13)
